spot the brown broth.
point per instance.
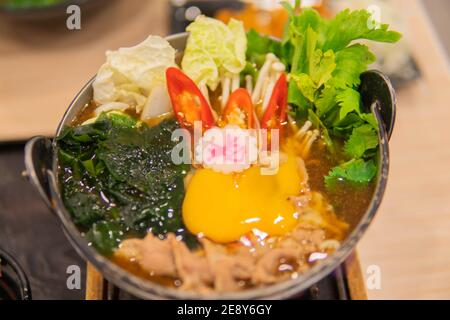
(134, 268)
(349, 202)
(88, 112)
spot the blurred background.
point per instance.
(43, 64)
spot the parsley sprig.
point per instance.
(325, 62)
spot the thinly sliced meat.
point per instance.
(225, 268)
(193, 269)
(157, 257)
(309, 239)
(268, 266)
(229, 270)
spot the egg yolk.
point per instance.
(225, 207)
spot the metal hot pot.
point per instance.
(41, 163)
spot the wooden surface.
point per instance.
(356, 280)
(94, 284)
(410, 238)
(44, 65)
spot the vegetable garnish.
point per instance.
(325, 67)
(188, 102)
(130, 74)
(214, 52)
(275, 115)
(239, 110)
(117, 179)
(354, 171)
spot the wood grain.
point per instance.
(355, 278)
(95, 285)
(44, 65)
(410, 238)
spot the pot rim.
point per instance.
(148, 290)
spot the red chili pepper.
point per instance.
(239, 103)
(275, 115)
(188, 102)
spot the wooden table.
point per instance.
(43, 65)
(410, 238)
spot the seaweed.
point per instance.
(117, 179)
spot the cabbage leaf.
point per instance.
(130, 74)
(214, 49)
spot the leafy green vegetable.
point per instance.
(348, 26)
(348, 99)
(117, 178)
(350, 63)
(354, 171)
(258, 46)
(130, 74)
(105, 236)
(325, 67)
(363, 139)
(214, 49)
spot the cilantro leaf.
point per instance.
(350, 63)
(322, 66)
(363, 139)
(306, 85)
(348, 26)
(370, 119)
(319, 124)
(326, 100)
(258, 46)
(349, 101)
(344, 128)
(354, 171)
(295, 97)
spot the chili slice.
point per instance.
(188, 102)
(275, 115)
(239, 110)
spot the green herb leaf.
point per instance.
(348, 26)
(363, 139)
(318, 124)
(306, 85)
(350, 63)
(354, 171)
(258, 46)
(349, 101)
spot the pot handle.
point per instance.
(376, 90)
(38, 164)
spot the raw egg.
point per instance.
(225, 207)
